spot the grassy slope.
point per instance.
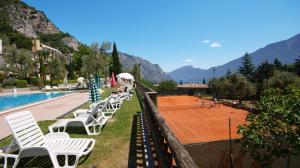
(112, 145)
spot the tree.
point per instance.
(282, 79)
(77, 57)
(297, 66)
(203, 81)
(94, 62)
(57, 69)
(234, 86)
(105, 47)
(263, 72)
(228, 72)
(274, 131)
(42, 57)
(19, 61)
(166, 86)
(136, 72)
(115, 65)
(147, 83)
(247, 67)
(71, 70)
(277, 64)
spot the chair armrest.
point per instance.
(57, 135)
(80, 111)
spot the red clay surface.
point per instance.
(192, 122)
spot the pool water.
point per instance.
(13, 101)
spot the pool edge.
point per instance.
(33, 104)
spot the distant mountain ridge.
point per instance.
(149, 71)
(286, 51)
(33, 23)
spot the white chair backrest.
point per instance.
(97, 111)
(25, 129)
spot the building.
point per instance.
(53, 53)
(195, 89)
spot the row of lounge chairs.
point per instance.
(32, 142)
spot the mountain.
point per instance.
(149, 71)
(32, 23)
(26, 22)
(286, 51)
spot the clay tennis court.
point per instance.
(193, 120)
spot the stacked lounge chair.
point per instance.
(32, 142)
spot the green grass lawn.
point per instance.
(112, 145)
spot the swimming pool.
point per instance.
(13, 101)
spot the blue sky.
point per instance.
(173, 33)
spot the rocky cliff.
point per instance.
(31, 22)
(149, 71)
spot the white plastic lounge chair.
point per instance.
(5, 157)
(92, 122)
(107, 107)
(32, 142)
(115, 102)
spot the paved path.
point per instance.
(49, 110)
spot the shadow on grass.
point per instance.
(135, 158)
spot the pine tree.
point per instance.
(247, 67)
(277, 64)
(203, 81)
(228, 72)
(115, 66)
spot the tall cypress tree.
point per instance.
(247, 67)
(115, 66)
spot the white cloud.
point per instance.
(206, 41)
(188, 60)
(215, 45)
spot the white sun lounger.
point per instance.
(107, 106)
(6, 156)
(32, 141)
(92, 122)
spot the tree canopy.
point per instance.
(19, 61)
(57, 69)
(275, 131)
(136, 72)
(234, 86)
(282, 79)
(94, 62)
(167, 86)
(115, 65)
(247, 67)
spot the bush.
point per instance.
(167, 86)
(8, 82)
(72, 81)
(34, 81)
(20, 83)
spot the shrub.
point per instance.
(72, 81)
(34, 81)
(20, 83)
(8, 82)
(167, 86)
